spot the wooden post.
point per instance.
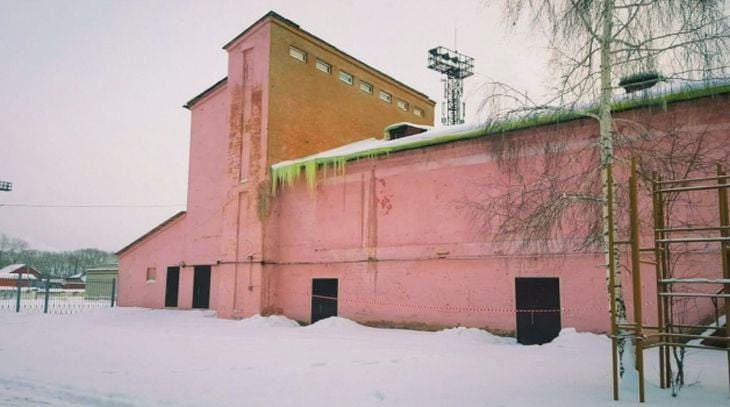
(636, 277)
(665, 301)
(725, 252)
(657, 201)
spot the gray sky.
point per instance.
(93, 91)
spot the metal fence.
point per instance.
(43, 298)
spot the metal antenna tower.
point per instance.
(455, 66)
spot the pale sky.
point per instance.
(93, 91)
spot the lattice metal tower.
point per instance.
(455, 66)
(6, 186)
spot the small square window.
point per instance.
(323, 66)
(151, 274)
(403, 105)
(366, 87)
(418, 111)
(385, 96)
(298, 54)
(346, 77)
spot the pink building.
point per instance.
(371, 229)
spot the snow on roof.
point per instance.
(9, 269)
(77, 276)
(103, 268)
(286, 172)
(10, 273)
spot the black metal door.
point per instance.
(538, 310)
(324, 298)
(171, 286)
(201, 287)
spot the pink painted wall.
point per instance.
(195, 238)
(245, 158)
(218, 225)
(134, 289)
(205, 182)
(403, 210)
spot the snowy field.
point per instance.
(138, 357)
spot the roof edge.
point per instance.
(154, 230)
(189, 105)
(270, 14)
(291, 24)
(358, 61)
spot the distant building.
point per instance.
(19, 275)
(99, 280)
(55, 282)
(75, 282)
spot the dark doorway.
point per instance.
(171, 286)
(324, 298)
(201, 287)
(538, 310)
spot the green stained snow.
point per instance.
(286, 173)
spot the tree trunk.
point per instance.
(606, 150)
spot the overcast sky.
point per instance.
(92, 93)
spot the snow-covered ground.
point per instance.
(128, 356)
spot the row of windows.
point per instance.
(349, 79)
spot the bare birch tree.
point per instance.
(593, 43)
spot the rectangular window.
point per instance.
(298, 54)
(418, 111)
(385, 96)
(346, 77)
(151, 274)
(323, 66)
(366, 87)
(403, 105)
